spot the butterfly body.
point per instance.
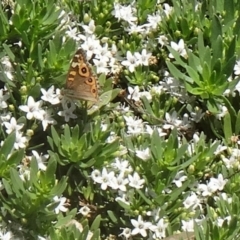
(81, 82)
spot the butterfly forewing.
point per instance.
(81, 83)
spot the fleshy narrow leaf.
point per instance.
(237, 125)
(55, 136)
(8, 144)
(227, 127)
(96, 223)
(181, 236)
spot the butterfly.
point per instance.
(81, 83)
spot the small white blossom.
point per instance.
(90, 28)
(179, 47)
(41, 160)
(13, 126)
(131, 62)
(179, 179)
(237, 68)
(143, 59)
(126, 233)
(85, 210)
(140, 226)
(135, 181)
(159, 229)
(50, 96)
(192, 201)
(143, 154)
(33, 109)
(61, 206)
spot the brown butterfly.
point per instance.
(81, 83)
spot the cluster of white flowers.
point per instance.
(118, 177)
(156, 231)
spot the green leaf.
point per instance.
(194, 75)
(96, 223)
(147, 200)
(17, 183)
(206, 73)
(9, 52)
(216, 29)
(212, 106)
(181, 236)
(51, 169)
(217, 49)
(8, 144)
(16, 157)
(156, 146)
(40, 54)
(177, 57)
(175, 72)
(229, 11)
(60, 187)
(75, 134)
(227, 127)
(237, 124)
(112, 216)
(55, 136)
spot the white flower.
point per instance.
(126, 233)
(135, 126)
(179, 178)
(134, 28)
(90, 45)
(60, 207)
(131, 62)
(143, 59)
(159, 229)
(101, 66)
(104, 179)
(73, 33)
(20, 141)
(85, 210)
(103, 54)
(223, 112)
(192, 201)
(33, 109)
(90, 28)
(96, 176)
(237, 68)
(3, 99)
(179, 48)
(143, 154)
(188, 226)
(124, 13)
(167, 9)
(67, 112)
(217, 183)
(134, 93)
(147, 95)
(140, 226)
(119, 182)
(50, 96)
(135, 181)
(172, 121)
(41, 159)
(47, 119)
(122, 166)
(13, 126)
(6, 235)
(125, 197)
(162, 40)
(207, 189)
(153, 20)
